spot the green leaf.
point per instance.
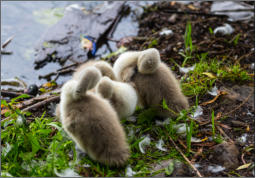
(34, 142)
(55, 124)
(169, 169)
(165, 105)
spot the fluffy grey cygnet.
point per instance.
(153, 80)
(91, 121)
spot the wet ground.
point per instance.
(239, 123)
(33, 20)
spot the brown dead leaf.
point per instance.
(190, 6)
(215, 98)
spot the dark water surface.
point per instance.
(28, 20)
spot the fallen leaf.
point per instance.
(209, 74)
(244, 166)
(48, 85)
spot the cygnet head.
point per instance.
(148, 61)
(106, 69)
(105, 87)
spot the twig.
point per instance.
(224, 134)
(6, 52)
(12, 94)
(6, 42)
(38, 105)
(246, 99)
(193, 167)
(234, 10)
(48, 76)
(194, 13)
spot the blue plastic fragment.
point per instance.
(94, 47)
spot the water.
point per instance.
(20, 19)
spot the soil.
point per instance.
(161, 15)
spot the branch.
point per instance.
(193, 167)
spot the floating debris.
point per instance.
(66, 173)
(224, 30)
(186, 69)
(161, 123)
(214, 91)
(166, 32)
(160, 144)
(216, 169)
(129, 171)
(73, 6)
(131, 119)
(198, 112)
(143, 143)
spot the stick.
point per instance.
(194, 13)
(7, 42)
(11, 94)
(37, 105)
(193, 167)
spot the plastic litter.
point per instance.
(89, 44)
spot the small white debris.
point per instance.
(198, 112)
(181, 129)
(86, 165)
(129, 171)
(72, 7)
(143, 143)
(224, 30)
(131, 132)
(197, 165)
(66, 173)
(6, 174)
(6, 149)
(215, 169)
(186, 69)
(249, 113)
(19, 121)
(160, 144)
(131, 119)
(214, 91)
(166, 31)
(161, 123)
(195, 140)
(252, 66)
(242, 139)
